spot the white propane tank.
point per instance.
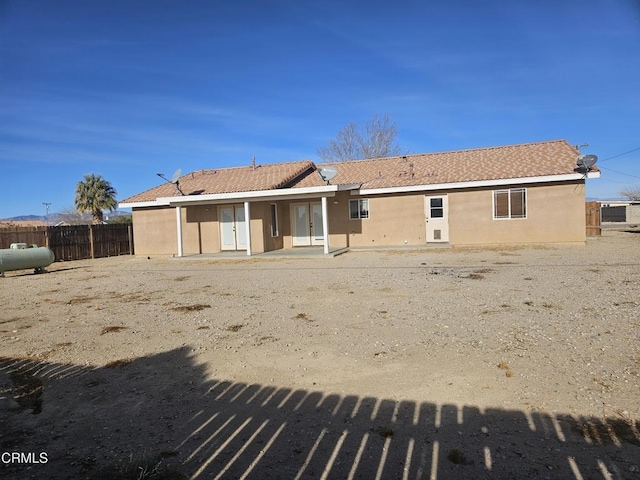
(21, 258)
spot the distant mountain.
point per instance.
(21, 218)
(54, 217)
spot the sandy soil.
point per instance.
(476, 363)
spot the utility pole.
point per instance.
(46, 215)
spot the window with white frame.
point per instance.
(274, 220)
(359, 209)
(510, 203)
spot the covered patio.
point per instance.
(298, 252)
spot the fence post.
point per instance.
(129, 234)
(91, 241)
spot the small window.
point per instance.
(274, 220)
(511, 203)
(359, 209)
(437, 207)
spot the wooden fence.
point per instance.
(593, 219)
(74, 242)
(29, 235)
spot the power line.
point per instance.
(619, 155)
(621, 173)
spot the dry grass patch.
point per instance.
(191, 308)
(112, 329)
(140, 467)
(123, 362)
(475, 276)
(456, 457)
(28, 390)
(14, 319)
(80, 300)
(384, 432)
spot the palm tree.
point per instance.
(94, 194)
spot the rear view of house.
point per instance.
(518, 194)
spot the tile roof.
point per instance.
(539, 159)
(482, 164)
(229, 180)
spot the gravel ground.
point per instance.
(464, 363)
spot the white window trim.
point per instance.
(359, 217)
(277, 223)
(508, 191)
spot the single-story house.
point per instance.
(516, 194)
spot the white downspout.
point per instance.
(325, 225)
(247, 224)
(179, 230)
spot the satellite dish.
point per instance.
(175, 179)
(587, 161)
(327, 173)
(176, 176)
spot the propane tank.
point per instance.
(21, 258)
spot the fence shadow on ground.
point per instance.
(165, 406)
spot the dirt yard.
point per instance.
(444, 364)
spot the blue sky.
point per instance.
(131, 88)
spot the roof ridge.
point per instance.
(560, 140)
(237, 167)
(294, 175)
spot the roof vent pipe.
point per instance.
(253, 163)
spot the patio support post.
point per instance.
(247, 224)
(325, 225)
(179, 229)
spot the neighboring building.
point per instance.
(518, 194)
(620, 211)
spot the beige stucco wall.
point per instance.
(393, 220)
(270, 242)
(200, 232)
(555, 214)
(154, 231)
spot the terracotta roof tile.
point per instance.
(482, 164)
(549, 158)
(229, 180)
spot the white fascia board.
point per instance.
(475, 184)
(349, 186)
(152, 203)
(279, 194)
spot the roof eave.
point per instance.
(479, 183)
(150, 203)
(257, 195)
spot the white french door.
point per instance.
(233, 232)
(306, 222)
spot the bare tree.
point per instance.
(632, 193)
(377, 140)
(71, 216)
